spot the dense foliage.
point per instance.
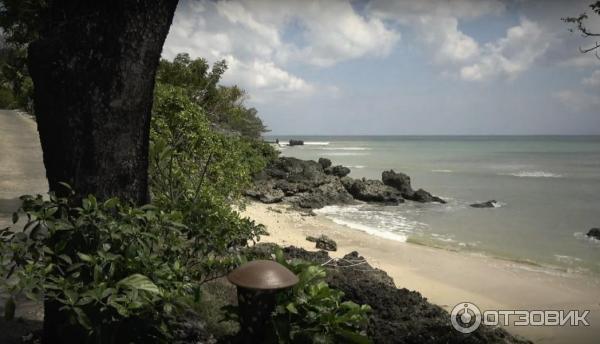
(110, 266)
(313, 312)
(20, 21)
(196, 167)
(16, 87)
(222, 105)
(201, 173)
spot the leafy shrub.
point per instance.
(115, 270)
(315, 313)
(201, 174)
(223, 105)
(312, 312)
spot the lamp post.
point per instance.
(257, 285)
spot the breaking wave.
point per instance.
(535, 174)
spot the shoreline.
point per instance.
(447, 278)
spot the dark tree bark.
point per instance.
(93, 69)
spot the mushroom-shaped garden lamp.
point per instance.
(257, 284)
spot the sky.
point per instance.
(383, 67)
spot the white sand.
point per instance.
(447, 278)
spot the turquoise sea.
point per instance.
(547, 188)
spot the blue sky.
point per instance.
(401, 67)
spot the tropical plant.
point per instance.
(312, 311)
(117, 271)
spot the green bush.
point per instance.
(312, 312)
(201, 173)
(7, 99)
(116, 271)
(315, 313)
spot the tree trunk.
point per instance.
(93, 69)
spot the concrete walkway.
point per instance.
(21, 163)
(21, 172)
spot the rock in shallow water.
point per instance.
(372, 191)
(488, 204)
(397, 180)
(594, 233)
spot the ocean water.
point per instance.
(547, 189)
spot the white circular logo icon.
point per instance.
(465, 317)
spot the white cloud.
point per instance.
(510, 55)
(407, 11)
(251, 36)
(593, 79)
(443, 37)
(577, 100)
(437, 25)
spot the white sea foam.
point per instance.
(566, 259)
(535, 174)
(356, 166)
(316, 143)
(345, 154)
(584, 236)
(347, 148)
(442, 171)
(371, 230)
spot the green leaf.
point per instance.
(84, 257)
(111, 203)
(15, 217)
(82, 318)
(9, 309)
(140, 282)
(292, 308)
(353, 337)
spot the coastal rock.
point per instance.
(372, 191)
(265, 192)
(401, 182)
(338, 171)
(323, 242)
(328, 193)
(297, 171)
(399, 315)
(594, 233)
(296, 142)
(423, 197)
(325, 163)
(397, 180)
(488, 204)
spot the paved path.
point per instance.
(21, 163)
(21, 172)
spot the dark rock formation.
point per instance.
(338, 171)
(323, 242)
(300, 182)
(401, 182)
(296, 143)
(488, 204)
(264, 191)
(309, 184)
(399, 315)
(325, 163)
(331, 192)
(397, 180)
(594, 233)
(372, 191)
(424, 197)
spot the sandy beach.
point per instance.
(447, 278)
